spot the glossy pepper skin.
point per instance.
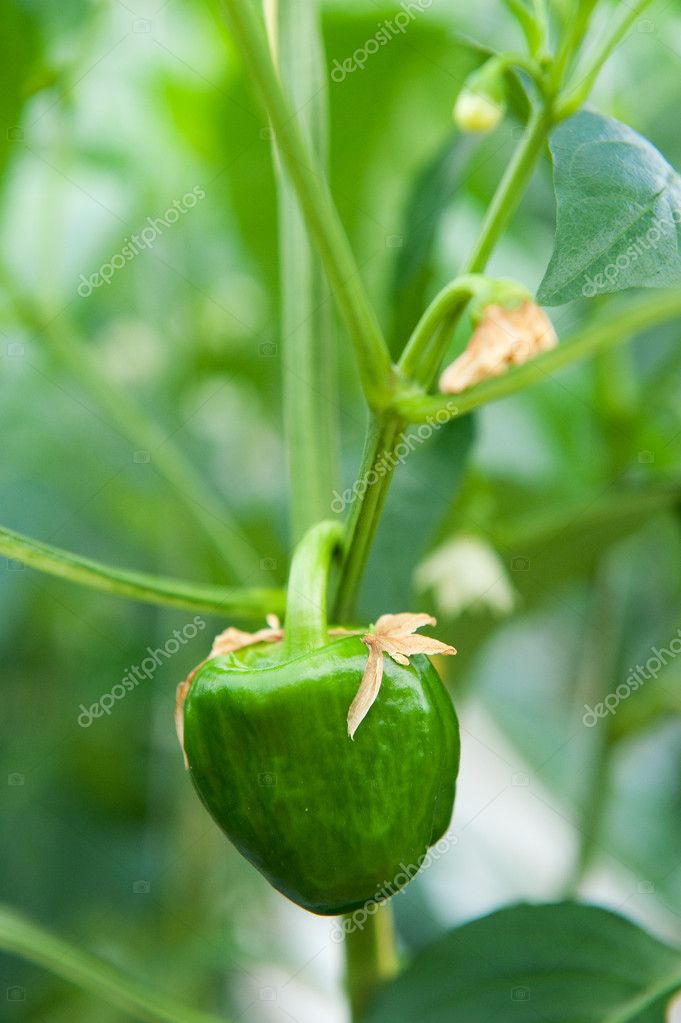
(332, 823)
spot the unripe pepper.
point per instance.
(331, 822)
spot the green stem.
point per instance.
(511, 189)
(451, 300)
(307, 320)
(425, 348)
(321, 217)
(137, 585)
(376, 470)
(619, 327)
(575, 32)
(135, 423)
(533, 26)
(19, 936)
(580, 92)
(370, 958)
(306, 599)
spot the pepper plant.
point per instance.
(351, 717)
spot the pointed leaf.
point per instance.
(562, 963)
(619, 212)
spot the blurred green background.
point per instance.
(110, 112)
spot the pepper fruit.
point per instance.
(331, 823)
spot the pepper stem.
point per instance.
(306, 600)
(370, 958)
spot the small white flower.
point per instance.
(466, 573)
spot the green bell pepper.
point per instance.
(332, 823)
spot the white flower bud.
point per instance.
(477, 112)
(466, 574)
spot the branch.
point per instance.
(19, 936)
(251, 603)
(581, 91)
(316, 204)
(511, 188)
(663, 306)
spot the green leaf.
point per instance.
(619, 211)
(563, 962)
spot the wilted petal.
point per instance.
(235, 639)
(369, 686)
(393, 635)
(504, 337)
(428, 645)
(180, 697)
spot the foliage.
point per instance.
(143, 445)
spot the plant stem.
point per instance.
(135, 423)
(371, 959)
(378, 462)
(317, 206)
(578, 95)
(306, 618)
(149, 589)
(619, 327)
(511, 188)
(19, 936)
(572, 40)
(307, 321)
(450, 301)
(532, 24)
(427, 344)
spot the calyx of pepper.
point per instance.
(394, 635)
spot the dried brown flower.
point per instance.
(393, 635)
(503, 338)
